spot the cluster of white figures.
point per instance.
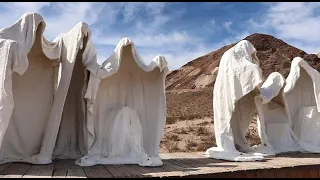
(61, 104)
(57, 102)
(288, 109)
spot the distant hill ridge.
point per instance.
(189, 88)
(274, 55)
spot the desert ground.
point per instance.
(189, 127)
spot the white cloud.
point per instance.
(69, 14)
(295, 22)
(212, 22)
(146, 40)
(179, 57)
(147, 23)
(150, 37)
(210, 26)
(13, 11)
(227, 25)
(63, 18)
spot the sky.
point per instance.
(179, 31)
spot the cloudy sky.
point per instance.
(178, 31)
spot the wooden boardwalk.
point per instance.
(175, 165)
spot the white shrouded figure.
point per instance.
(126, 148)
(126, 109)
(238, 78)
(302, 92)
(274, 123)
(32, 101)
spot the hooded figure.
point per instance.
(238, 78)
(126, 109)
(274, 123)
(302, 92)
(32, 102)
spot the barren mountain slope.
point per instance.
(273, 53)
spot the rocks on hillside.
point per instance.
(274, 55)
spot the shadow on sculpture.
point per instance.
(127, 110)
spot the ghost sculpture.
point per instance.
(237, 82)
(274, 123)
(302, 92)
(32, 101)
(126, 109)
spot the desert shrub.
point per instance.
(172, 147)
(202, 131)
(172, 137)
(171, 120)
(190, 144)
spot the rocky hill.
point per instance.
(189, 89)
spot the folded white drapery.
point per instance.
(126, 109)
(238, 77)
(302, 92)
(33, 103)
(274, 123)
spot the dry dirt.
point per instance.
(196, 135)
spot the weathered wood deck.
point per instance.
(175, 165)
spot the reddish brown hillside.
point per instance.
(189, 89)
(274, 55)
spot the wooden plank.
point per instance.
(251, 174)
(15, 170)
(180, 170)
(299, 172)
(160, 171)
(148, 172)
(177, 159)
(187, 169)
(172, 167)
(90, 172)
(203, 165)
(117, 171)
(125, 172)
(3, 167)
(282, 173)
(188, 163)
(75, 171)
(60, 169)
(190, 159)
(175, 165)
(102, 171)
(267, 173)
(181, 164)
(313, 171)
(132, 170)
(40, 171)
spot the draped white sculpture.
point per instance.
(126, 109)
(274, 123)
(302, 92)
(238, 78)
(33, 101)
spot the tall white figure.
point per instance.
(238, 79)
(126, 109)
(302, 92)
(274, 123)
(32, 100)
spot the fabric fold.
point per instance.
(35, 99)
(237, 82)
(125, 84)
